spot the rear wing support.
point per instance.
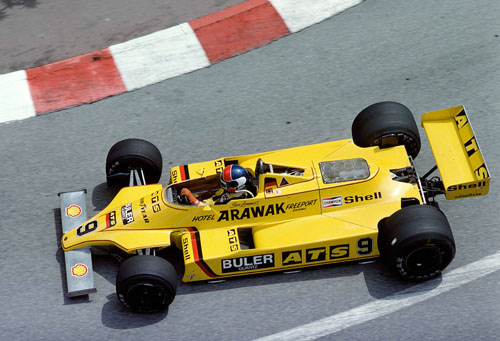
(460, 162)
(79, 273)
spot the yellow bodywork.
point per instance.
(109, 228)
(299, 216)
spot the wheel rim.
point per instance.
(424, 260)
(147, 297)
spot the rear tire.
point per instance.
(417, 240)
(146, 284)
(133, 153)
(386, 124)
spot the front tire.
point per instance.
(129, 154)
(417, 241)
(146, 284)
(387, 124)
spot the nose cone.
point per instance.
(68, 240)
(79, 235)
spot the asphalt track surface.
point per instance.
(304, 88)
(38, 32)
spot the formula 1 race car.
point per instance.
(347, 200)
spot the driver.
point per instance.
(234, 180)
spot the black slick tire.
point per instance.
(386, 124)
(146, 284)
(133, 153)
(417, 241)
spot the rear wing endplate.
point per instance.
(460, 162)
(79, 273)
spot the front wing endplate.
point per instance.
(79, 273)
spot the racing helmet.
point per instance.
(234, 177)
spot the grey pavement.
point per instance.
(38, 32)
(304, 88)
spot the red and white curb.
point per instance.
(158, 56)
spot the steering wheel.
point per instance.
(259, 168)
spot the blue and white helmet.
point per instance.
(234, 177)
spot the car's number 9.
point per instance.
(91, 226)
(365, 246)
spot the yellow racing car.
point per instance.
(346, 200)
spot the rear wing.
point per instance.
(460, 162)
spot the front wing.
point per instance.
(79, 273)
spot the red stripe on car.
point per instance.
(198, 258)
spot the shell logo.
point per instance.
(79, 270)
(73, 211)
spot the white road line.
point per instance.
(391, 304)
